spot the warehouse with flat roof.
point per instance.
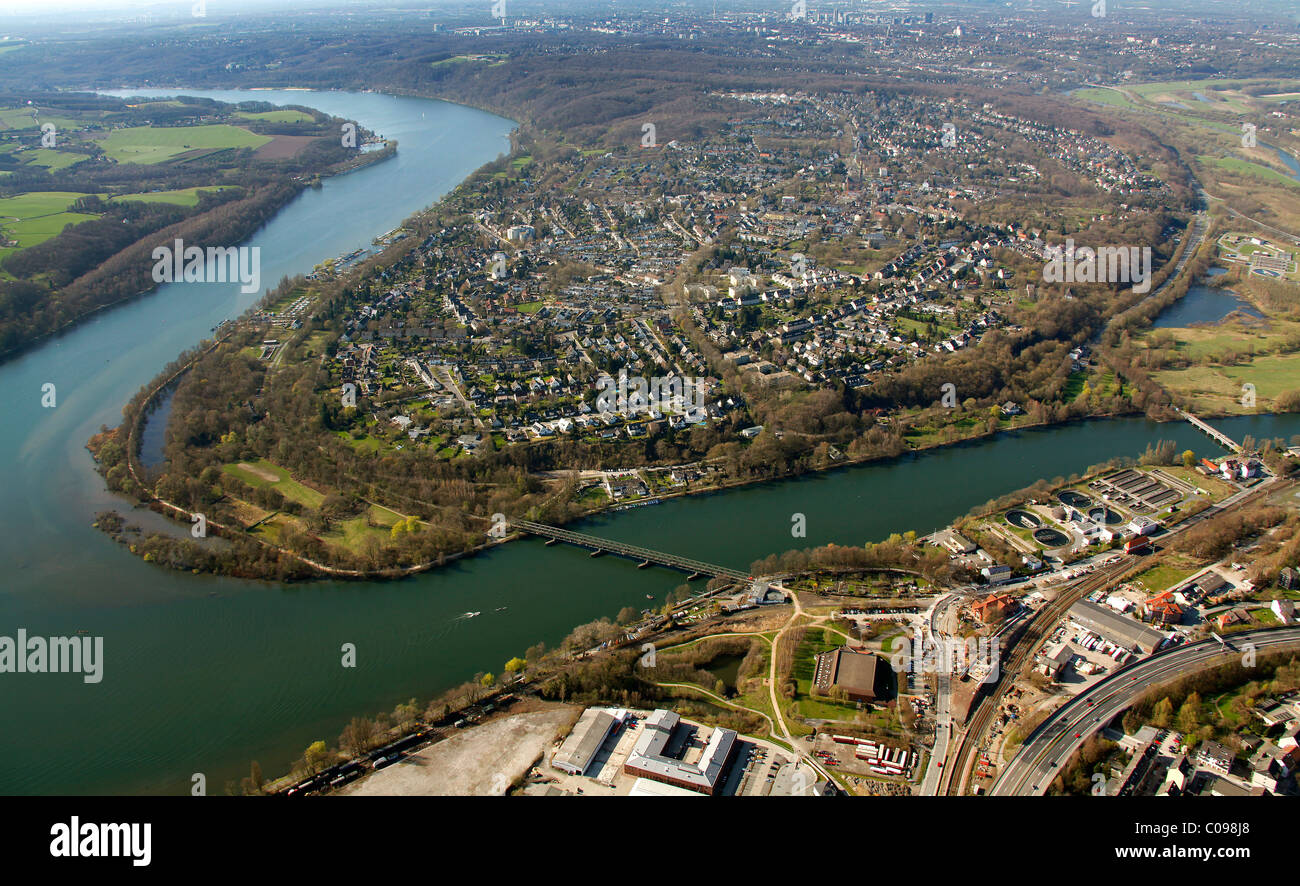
(1118, 629)
(650, 756)
(585, 741)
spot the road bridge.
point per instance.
(1219, 437)
(644, 556)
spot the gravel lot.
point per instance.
(478, 762)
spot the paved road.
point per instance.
(942, 706)
(1060, 735)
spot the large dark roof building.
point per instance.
(859, 674)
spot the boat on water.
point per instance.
(501, 609)
(649, 596)
(472, 614)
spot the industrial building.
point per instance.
(1118, 629)
(653, 756)
(858, 673)
(586, 739)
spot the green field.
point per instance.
(492, 59)
(36, 217)
(1162, 578)
(285, 484)
(350, 534)
(1220, 387)
(277, 116)
(1105, 97)
(181, 197)
(52, 159)
(815, 641)
(1245, 167)
(151, 144)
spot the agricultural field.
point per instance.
(1220, 388)
(285, 116)
(151, 144)
(52, 158)
(36, 217)
(1203, 120)
(33, 118)
(181, 197)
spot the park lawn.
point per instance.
(283, 483)
(531, 307)
(815, 641)
(1163, 577)
(282, 116)
(180, 197)
(270, 530)
(351, 534)
(158, 144)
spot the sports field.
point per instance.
(154, 144)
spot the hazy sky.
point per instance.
(158, 6)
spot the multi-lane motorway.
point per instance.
(1040, 624)
(1058, 737)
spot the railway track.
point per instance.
(1038, 627)
(1045, 620)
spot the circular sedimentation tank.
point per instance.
(1105, 515)
(1074, 499)
(1023, 519)
(1051, 538)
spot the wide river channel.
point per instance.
(204, 674)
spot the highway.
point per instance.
(1039, 625)
(952, 780)
(1051, 745)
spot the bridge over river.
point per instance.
(644, 556)
(1218, 436)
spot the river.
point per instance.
(205, 674)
